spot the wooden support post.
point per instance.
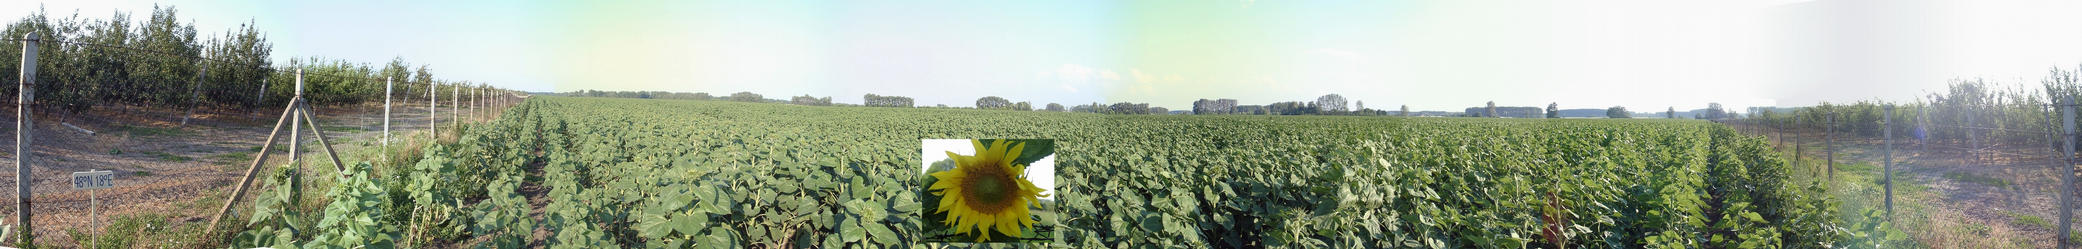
(304, 109)
(252, 170)
(432, 103)
(2066, 168)
(296, 128)
(25, 98)
(1887, 168)
(386, 113)
(455, 106)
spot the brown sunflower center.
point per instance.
(989, 188)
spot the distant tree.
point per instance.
(1250, 109)
(1406, 110)
(747, 97)
(1217, 106)
(1331, 104)
(1714, 112)
(1159, 110)
(1618, 112)
(1202, 107)
(1553, 110)
(1290, 108)
(1053, 107)
(885, 101)
(810, 101)
(993, 103)
(1490, 109)
(703, 96)
(1128, 108)
(1670, 114)
(1022, 106)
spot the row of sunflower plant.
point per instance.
(710, 174)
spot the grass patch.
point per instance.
(138, 230)
(233, 157)
(1978, 179)
(2028, 220)
(341, 128)
(277, 148)
(1856, 167)
(151, 131)
(163, 156)
(141, 173)
(2074, 237)
(1975, 229)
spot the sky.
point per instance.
(1429, 55)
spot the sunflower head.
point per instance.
(987, 191)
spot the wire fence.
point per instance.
(180, 149)
(2011, 164)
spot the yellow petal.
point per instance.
(983, 226)
(959, 161)
(947, 179)
(953, 202)
(1013, 154)
(1009, 225)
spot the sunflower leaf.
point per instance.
(881, 234)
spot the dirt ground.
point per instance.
(1986, 196)
(164, 167)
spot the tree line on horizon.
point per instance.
(1967, 110)
(1329, 104)
(84, 63)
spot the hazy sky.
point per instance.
(1431, 55)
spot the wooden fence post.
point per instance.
(295, 127)
(455, 106)
(2066, 168)
(1887, 130)
(25, 98)
(386, 113)
(433, 102)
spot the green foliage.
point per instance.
(351, 220)
(1872, 230)
(276, 221)
(712, 174)
(354, 218)
(434, 210)
(503, 217)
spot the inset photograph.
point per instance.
(988, 190)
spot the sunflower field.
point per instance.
(563, 172)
